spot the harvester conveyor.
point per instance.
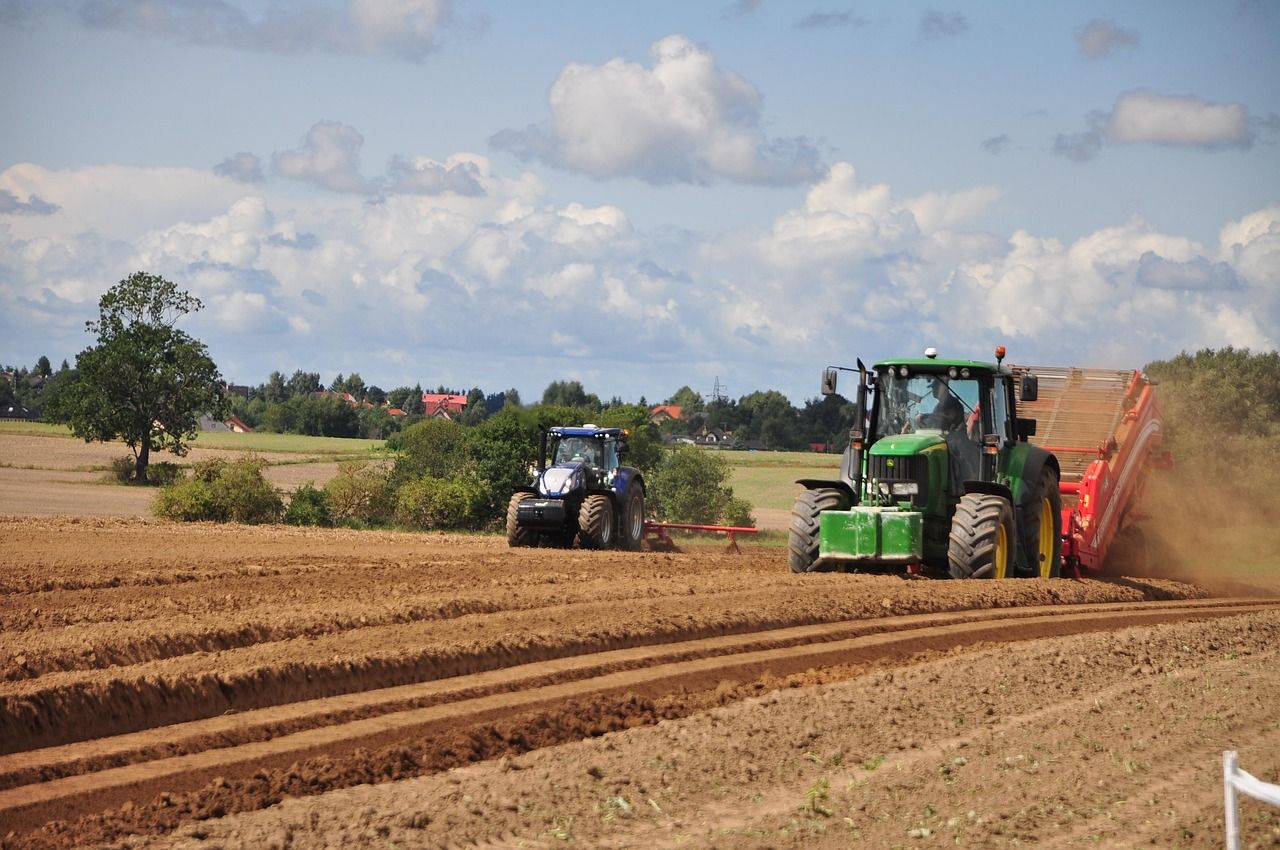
(1105, 428)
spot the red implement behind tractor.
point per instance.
(1105, 428)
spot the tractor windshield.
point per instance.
(924, 402)
(579, 450)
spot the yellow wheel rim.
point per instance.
(1001, 555)
(1046, 538)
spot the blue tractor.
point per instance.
(584, 492)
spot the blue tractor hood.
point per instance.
(561, 479)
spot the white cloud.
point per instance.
(1146, 117)
(329, 158)
(682, 119)
(1100, 38)
(423, 176)
(510, 288)
(241, 167)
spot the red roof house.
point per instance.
(446, 405)
(664, 412)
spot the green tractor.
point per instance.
(938, 478)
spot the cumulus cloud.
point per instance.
(408, 29)
(1100, 38)
(241, 167)
(935, 24)
(423, 176)
(682, 119)
(1198, 273)
(513, 287)
(34, 205)
(1146, 117)
(329, 158)
(996, 145)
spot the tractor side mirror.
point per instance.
(1029, 390)
(829, 381)
(1025, 428)
(623, 448)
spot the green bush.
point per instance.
(737, 512)
(208, 471)
(245, 494)
(308, 506)
(689, 486)
(188, 501)
(435, 503)
(219, 491)
(360, 492)
(433, 447)
(163, 473)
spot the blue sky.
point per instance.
(641, 196)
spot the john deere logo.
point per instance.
(889, 464)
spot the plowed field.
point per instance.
(220, 686)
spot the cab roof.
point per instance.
(584, 431)
(938, 364)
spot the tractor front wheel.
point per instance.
(517, 536)
(595, 522)
(982, 541)
(633, 517)
(802, 543)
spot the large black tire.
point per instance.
(802, 543)
(1044, 554)
(595, 522)
(631, 523)
(982, 542)
(517, 536)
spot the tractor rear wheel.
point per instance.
(1043, 534)
(802, 543)
(517, 536)
(632, 524)
(982, 541)
(595, 522)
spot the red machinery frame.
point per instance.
(1106, 498)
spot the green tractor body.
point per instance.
(938, 478)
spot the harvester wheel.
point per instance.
(595, 522)
(517, 536)
(1043, 534)
(982, 541)
(802, 544)
(632, 524)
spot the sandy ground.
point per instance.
(220, 686)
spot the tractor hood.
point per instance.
(562, 479)
(901, 445)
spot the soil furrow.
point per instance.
(32, 804)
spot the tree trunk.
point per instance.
(144, 455)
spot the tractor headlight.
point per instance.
(905, 488)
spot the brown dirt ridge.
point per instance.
(201, 686)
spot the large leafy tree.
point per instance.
(145, 382)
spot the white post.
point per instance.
(1229, 792)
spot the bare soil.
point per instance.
(224, 686)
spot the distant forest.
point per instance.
(1231, 393)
